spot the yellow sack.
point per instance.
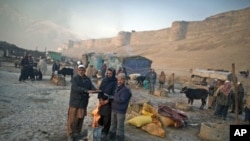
(166, 121)
(154, 129)
(149, 110)
(141, 120)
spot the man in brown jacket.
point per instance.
(162, 79)
(171, 82)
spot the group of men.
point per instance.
(222, 98)
(113, 96)
(152, 77)
(27, 66)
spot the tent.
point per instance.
(137, 64)
(96, 60)
(112, 60)
(55, 55)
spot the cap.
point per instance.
(81, 66)
(121, 75)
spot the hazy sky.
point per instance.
(93, 19)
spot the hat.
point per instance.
(238, 83)
(81, 66)
(122, 76)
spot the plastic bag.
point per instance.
(96, 116)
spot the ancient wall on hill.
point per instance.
(217, 25)
(149, 37)
(122, 39)
(178, 31)
(134, 38)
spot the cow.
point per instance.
(133, 76)
(192, 94)
(140, 80)
(244, 73)
(66, 71)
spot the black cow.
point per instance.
(244, 73)
(66, 71)
(192, 94)
(140, 80)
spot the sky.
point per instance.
(93, 19)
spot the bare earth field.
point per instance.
(37, 111)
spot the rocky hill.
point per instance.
(216, 42)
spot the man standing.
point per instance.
(105, 97)
(223, 100)
(79, 97)
(55, 69)
(211, 89)
(171, 83)
(90, 71)
(119, 108)
(162, 79)
(151, 77)
(42, 67)
(241, 93)
(104, 67)
(30, 67)
(24, 68)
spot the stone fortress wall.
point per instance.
(208, 29)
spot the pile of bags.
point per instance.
(154, 122)
(144, 116)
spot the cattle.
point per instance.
(140, 80)
(134, 76)
(66, 71)
(244, 73)
(198, 93)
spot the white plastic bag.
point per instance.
(97, 132)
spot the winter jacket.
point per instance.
(223, 99)
(79, 97)
(107, 87)
(151, 77)
(162, 78)
(121, 99)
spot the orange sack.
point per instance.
(96, 116)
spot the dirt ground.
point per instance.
(37, 111)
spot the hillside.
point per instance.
(216, 42)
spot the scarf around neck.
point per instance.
(226, 88)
